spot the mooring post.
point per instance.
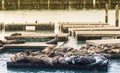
(69, 5)
(3, 5)
(109, 4)
(48, 4)
(106, 13)
(84, 3)
(117, 16)
(94, 3)
(18, 4)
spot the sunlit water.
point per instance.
(54, 16)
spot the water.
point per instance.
(30, 16)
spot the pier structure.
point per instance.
(56, 4)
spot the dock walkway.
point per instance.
(112, 42)
(36, 26)
(96, 34)
(63, 26)
(28, 46)
(72, 30)
(38, 37)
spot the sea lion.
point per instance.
(82, 60)
(62, 60)
(16, 34)
(47, 50)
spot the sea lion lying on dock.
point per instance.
(60, 56)
(16, 34)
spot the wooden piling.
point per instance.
(3, 5)
(109, 4)
(106, 13)
(18, 4)
(117, 16)
(94, 3)
(48, 4)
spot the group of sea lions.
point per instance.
(60, 55)
(112, 50)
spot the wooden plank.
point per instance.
(32, 24)
(22, 26)
(72, 30)
(113, 34)
(82, 23)
(30, 45)
(115, 42)
(65, 25)
(97, 33)
(61, 37)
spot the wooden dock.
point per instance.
(84, 35)
(33, 26)
(111, 42)
(28, 46)
(38, 37)
(72, 30)
(63, 26)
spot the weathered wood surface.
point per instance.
(30, 45)
(82, 23)
(63, 26)
(37, 26)
(72, 30)
(113, 42)
(114, 34)
(61, 37)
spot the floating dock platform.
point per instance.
(56, 66)
(28, 46)
(26, 26)
(38, 37)
(72, 30)
(63, 26)
(87, 35)
(110, 42)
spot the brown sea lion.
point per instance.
(16, 34)
(47, 50)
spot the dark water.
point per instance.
(54, 16)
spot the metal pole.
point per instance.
(117, 15)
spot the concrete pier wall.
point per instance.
(56, 4)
